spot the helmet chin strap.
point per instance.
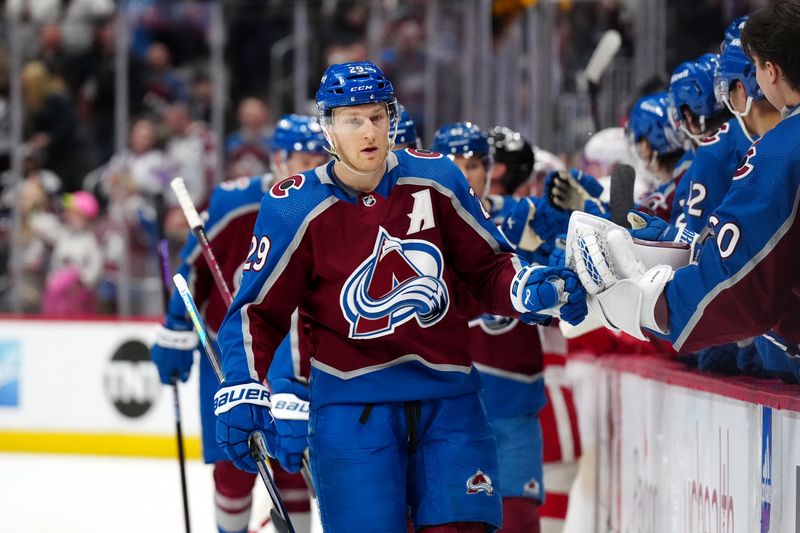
(340, 158)
(336, 155)
(740, 116)
(693, 136)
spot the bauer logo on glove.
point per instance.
(229, 397)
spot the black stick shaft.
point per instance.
(258, 450)
(163, 260)
(622, 181)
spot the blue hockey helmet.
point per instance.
(298, 133)
(692, 85)
(734, 65)
(460, 138)
(406, 129)
(349, 84)
(733, 31)
(649, 120)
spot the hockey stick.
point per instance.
(163, 259)
(603, 54)
(622, 181)
(196, 225)
(198, 229)
(258, 448)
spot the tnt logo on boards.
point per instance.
(131, 380)
(9, 373)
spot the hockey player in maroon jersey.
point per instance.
(375, 248)
(508, 355)
(297, 145)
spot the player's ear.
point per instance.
(499, 170)
(774, 72)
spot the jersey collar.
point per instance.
(326, 175)
(787, 112)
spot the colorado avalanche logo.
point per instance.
(401, 280)
(480, 482)
(495, 324)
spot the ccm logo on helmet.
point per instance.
(361, 88)
(282, 188)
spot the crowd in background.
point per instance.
(84, 209)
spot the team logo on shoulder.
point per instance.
(282, 188)
(480, 482)
(746, 167)
(423, 154)
(401, 280)
(716, 136)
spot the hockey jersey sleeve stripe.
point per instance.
(394, 362)
(294, 345)
(507, 374)
(737, 277)
(276, 272)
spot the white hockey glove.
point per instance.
(623, 290)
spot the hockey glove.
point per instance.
(549, 291)
(500, 207)
(517, 226)
(290, 409)
(557, 257)
(779, 357)
(651, 228)
(719, 359)
(623, 294)
(173, 351)
(570, 191)
(532, 223)
(748, 360)
(242, 409)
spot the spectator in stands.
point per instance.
(143, 169)
(191, 147)
(131, 181)
(38, 192)
(202, 99)
(247, 149)
(78, 21)
(76, 261)
(51, 52)
(51, 123)
(163, 84)
(97, 91)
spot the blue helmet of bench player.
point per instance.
(298, 133)
(692, 87)
(734, 65)
(733, 31)
(406, 129)
(353, 84)
(462, 138)
(510, 148)
(648, 120)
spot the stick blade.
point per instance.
(603, 54)
(279, 523)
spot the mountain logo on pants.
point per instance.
(480, 482)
